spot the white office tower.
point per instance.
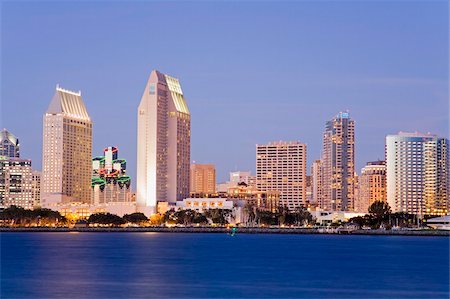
(67, 151)
(163, 143)
(417, 173)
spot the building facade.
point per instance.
(16, 183)
(372, 186)
(203, 178)
(417, 173)
(163, 143)
(9, 145)
(36, 187)
(316, 187)
(67, 151)
(281, 166)
(110, 184)
(338, 164)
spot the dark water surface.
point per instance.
(156, 265)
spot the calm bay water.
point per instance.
(167, 265)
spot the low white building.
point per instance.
(202, 204)
(324, 217)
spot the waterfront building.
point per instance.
(338, 164)
(110, 184)
(9, 145)
(316, 179)
(371, 186)
(67, 151)
(36, 187)
(16, 183)
(417, 173)
(163, 143)
(281, 166)
(203, 178)
(263, 200)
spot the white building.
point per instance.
(16, 183)
(417, 173)
(163, 143)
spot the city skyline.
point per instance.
(314, 91)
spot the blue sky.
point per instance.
(252, 72)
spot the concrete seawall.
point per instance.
(239, 230)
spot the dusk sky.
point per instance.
(251, 72)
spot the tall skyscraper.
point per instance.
(338, 164)
(9, 145)
(372, 186)
(203, 178)
(417, 173)
(67, 150)
(281, 166)
(16, 183)
(110, 184)
(163, 143)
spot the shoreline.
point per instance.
(239, 230)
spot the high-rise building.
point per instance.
(281, 166)
(9, 145)
(372, 186)
(417, 173)
(338, 164)
(203, 178)
(163, 143)
(16, 183)
(36, 187)
(110, 184)
(315, 182)
(67, 151)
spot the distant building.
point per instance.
(16, 183)
(203, 178)
(9, 145)
(417, 173)
(67, 151)
(338, 164)
(243, 177)
(263, 200)
(36, 187)
(163, 143)
(110, 184)
(372, 185)
(281, 166)
(316, 186)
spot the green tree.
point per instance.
(137, 218)
(379, 211)
(106, 219)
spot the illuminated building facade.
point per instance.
(36, 187)
(281, 166)
(67, 151)
(417, 173)
(263, 200)
(110, 184)
(16, 183)
(9, 145)
(163, 143)
(371, 186)
(203, 178)
(315, 182)
(338, 164)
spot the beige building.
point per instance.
(372, 186)
(281, 166)
(203, 178)
(67, 151)
(338, 164)
(263, 200)
(16, 181)
(163, 143)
